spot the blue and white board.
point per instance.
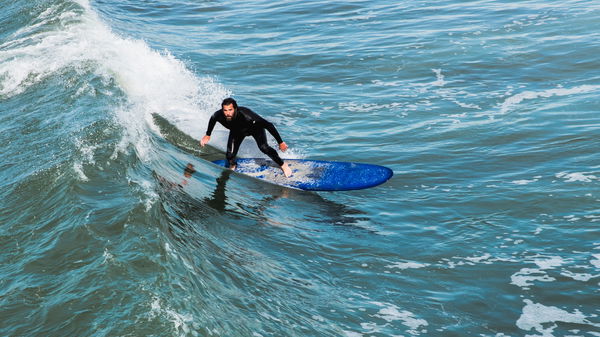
(315, 175)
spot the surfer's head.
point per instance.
(229, 106)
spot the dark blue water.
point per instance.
(487, 113)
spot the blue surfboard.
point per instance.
(315, 175)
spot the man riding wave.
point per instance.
(243, 122)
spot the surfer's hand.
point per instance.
(204, 140)
(283, 146)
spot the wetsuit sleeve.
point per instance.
(263, 123)
(273, 131)
(212, 122)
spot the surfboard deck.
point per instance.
(314, 175)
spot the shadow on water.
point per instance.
(223, 204)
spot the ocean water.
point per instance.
(486, 111)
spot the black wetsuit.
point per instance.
(246, 122)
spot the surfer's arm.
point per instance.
(211, 123)
(272, 130)
(211, 126)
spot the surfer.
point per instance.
(243, 122)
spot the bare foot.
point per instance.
(287, 171)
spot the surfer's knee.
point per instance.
(265, 148)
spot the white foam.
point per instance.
(479, 259)
(514, 100)
(371, 327)
(524, 181)
(579, 276)
(439, 82)
(152, 81)
(596, 262)
(466, 105)
(525, 277)
(535, 316)
(78, 168)
(576, 176)
(181, 322)
(367, 107)
(549, 262)
(390, 313)
(108, 257)
(318, 318)
(407, 265)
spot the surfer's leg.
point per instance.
(261, 140)
(233, 145)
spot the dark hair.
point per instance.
(228, 101)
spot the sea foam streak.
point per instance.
(514, 100)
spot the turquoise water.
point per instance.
(486, 111)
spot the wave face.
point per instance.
(487, 114)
